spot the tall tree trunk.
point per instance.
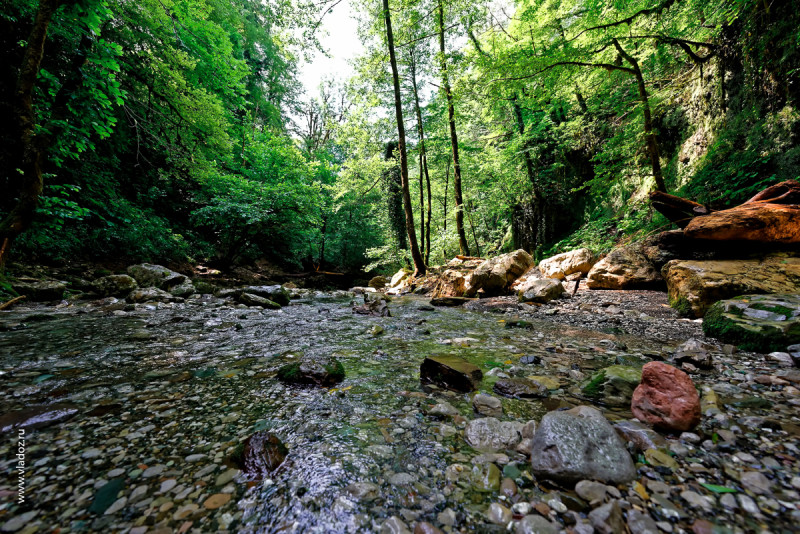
(423, 165)
(537, 197)
(462, 237)
(650, 135)
(31, 147)
(419, 264)
(394, 198)
(428, 226)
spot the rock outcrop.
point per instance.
(495, 275)
(694, 286)
(452, 283)
(624, 268)
(150, 275)
(398, 278)
(666, 398)
(562, 265)
(761, 323)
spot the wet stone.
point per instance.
(322, 371)
(450, 372)
(487, 405)
(559, 448)
(519, 388)
(259, 455)
(37, 417)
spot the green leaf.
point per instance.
(718, 489)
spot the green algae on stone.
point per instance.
(759, 323)
(615, 384)
(324, 371)
(682, 306)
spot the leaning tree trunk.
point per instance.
(650, 134)
(419, 264)
(462, 236)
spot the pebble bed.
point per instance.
(134, 412)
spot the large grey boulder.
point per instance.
(489, 434)
(151, 275)
(151, 294)
(116, 285)
(624, 268)
(580, 444)
(542, 291)
(275, 293)
(249, 299)
(495, 275)
(562, 265)
(40, 291)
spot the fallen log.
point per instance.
(758, 222)
(11, 302)
(787, 192)
(678, 210)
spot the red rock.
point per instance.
(753, 221)
(666, 398)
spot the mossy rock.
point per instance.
(614, 385)
(758, 323)
(682, 306)
(325, 371)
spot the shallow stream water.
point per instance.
(164, 393)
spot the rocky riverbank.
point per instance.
(136, 415)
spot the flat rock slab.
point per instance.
(760, 323)
(490, 434)
(694, 286)
(450, 372)
(580, 444)
(275, 293)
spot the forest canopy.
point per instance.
(169, 130)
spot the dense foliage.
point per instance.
(177, 130)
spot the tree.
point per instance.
(35, 129)
(419, 263)
(459, 203)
